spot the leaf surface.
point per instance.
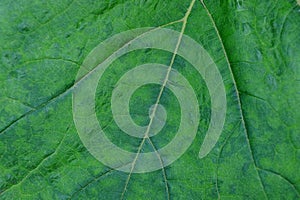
(256, 49)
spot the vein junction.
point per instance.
(152, 115)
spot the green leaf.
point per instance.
(255, 46)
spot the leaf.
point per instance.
(43, 46)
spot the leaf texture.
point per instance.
(255, 45)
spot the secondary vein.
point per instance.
(71, 87)
(39, 164)
(238, 96)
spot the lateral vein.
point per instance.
(238, 96)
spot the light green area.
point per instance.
(255, 45)
(91, 71)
